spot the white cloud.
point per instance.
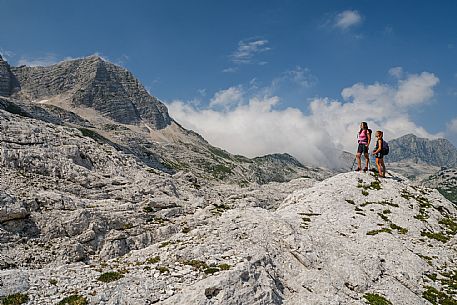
(416, 89)
(347, 19)
(252, 124)
(247, 49)
(396, 72)
(227, 98)
(42, 61)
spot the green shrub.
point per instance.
(73, 300)
(15, 299)
(224, 266)
(108, 277)
(196, 264)
(399, 229)
(436, 297)
(450, 224)
(376, 299)
(438, 236)
(153, 260)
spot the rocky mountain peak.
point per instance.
(5, 78)
(96, 83)
(437, 152)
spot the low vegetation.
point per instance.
(436, 235)
(383, 230)
(437, 297)
(108, 277)
(153, 260)
(202, 266)
(376, 299)
(74, 299)
(15, 299)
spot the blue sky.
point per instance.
(216, 57)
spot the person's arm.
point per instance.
(379, 147)
(369, 139)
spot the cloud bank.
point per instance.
(252, 124)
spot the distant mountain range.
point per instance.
(106, 102)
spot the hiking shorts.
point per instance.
(362, 149)
(379, 155)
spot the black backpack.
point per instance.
(385, 148)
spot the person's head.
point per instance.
(364, 125)
(379, 134)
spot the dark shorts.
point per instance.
(362, 149)
(379, 155)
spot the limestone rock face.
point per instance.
(5, 78)
(96, 83)
(439, 152)
(11, 209)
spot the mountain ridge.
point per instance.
(437, 152)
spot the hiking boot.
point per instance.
(365, 169)
(358, 169)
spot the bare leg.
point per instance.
(378, 164)
(383, 166)
(367, 160)
(359, 165)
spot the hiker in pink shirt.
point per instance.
(363, 139)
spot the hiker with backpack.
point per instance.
(381, 149)
(363, 139)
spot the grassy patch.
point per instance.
(364, 192)
(73, 300)
(436, 296)
(383, 230)
(108, 277)
(399, 229)
(375, 185)
(15, 299)
(200, 265)
(219, 171)
(219, 152)
(428, 259)
(211, 270)
(225, 266)
(423, 215)
(153, 260)
(163, 269)
(376, 299)
(450, 224)
(437, 236)
(185, 230)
